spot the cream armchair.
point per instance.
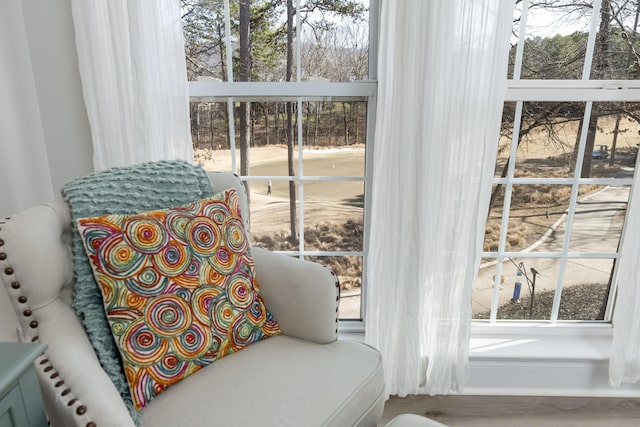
(304, 377)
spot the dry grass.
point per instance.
(325, 236)
(534, 208)
(578, 302)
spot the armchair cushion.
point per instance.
(292, 383)
(178, 289)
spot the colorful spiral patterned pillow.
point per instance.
(178, 289)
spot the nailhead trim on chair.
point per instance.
(43, 363)
(337, 283)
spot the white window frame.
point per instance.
(302, 91)
(518, 90)
(584, 90)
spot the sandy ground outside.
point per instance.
(323, 201)
(338, 201)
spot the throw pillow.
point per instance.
(178, 288)
(122, 190)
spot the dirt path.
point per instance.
(596, 228)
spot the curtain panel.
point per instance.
(442, 77)
(134, 80)
(624, 361)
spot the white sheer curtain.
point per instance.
(132, 65)
(624, 362)
(442, 77)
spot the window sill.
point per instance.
(529, 359)
(525, 341)
(541, 341)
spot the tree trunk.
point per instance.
(194, 122)
(276, 121)
(223, 72)
(616, 130)
(345, 123)
(212, 121)
(252, 121)
(289, 107)
(197, 125)
(315, 125)
(307, 129)
(265, 110)
(245, 107)
(588, 149)
(576, 146)
(600, 66)
(356, 107)
(330, 123)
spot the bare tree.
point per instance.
(243, 75)
(289, 131)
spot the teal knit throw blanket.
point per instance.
(124, 190)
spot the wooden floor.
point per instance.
(498, 411)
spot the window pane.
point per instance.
(556, 40)
(586, 289)
(599, 216)
(615, 54)
(506, 135)
(548, 137)
(270, 216)
(334, 124)
(515, 290)
(333, 216)
(339, 51)
(529, 291)
(617, 134)
(210, 135)
(546, 140)
(534, 210)
(203, 28)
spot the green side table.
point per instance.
(20, 398)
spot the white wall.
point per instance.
(52, 49)
(45, 139)
(21, 138)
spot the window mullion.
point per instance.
(300, 181)
(591, 42)
(229, 53)
(232, 135)
(227, 42)
(522, 35)
(298, 44)
(572, 210)
(505, 211)
(299, 139)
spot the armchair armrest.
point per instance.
(303, 296)
(75, 389)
